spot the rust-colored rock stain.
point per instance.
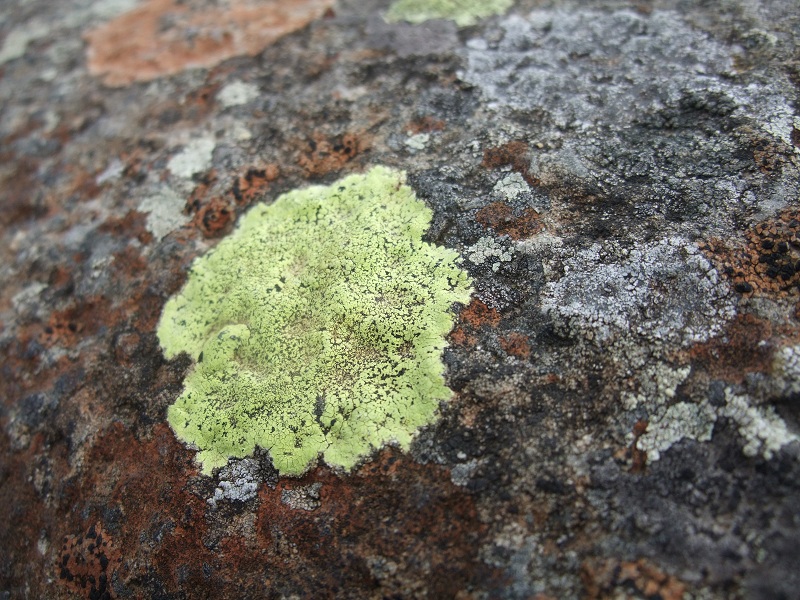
(164, 37)
(513, 154)
(426, 124)
(389, 528)
(741, 350)
(215, 208)
(516, 344)
(215, 218)
(253, 182)
(500, 217)
(392, 527)
(476, 314)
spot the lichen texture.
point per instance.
(463, 12)
(317, 327)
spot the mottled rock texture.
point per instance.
(621, 179)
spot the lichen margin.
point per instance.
(317, 328)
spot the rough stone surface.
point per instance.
(622, 179)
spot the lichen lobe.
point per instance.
(463, 12)
(317, 327)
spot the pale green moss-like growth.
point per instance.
(317, 327)
(463, 12)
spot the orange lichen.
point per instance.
(768, 263)
(214, 218)
(253, 182)
(214, 207)
(88, 561)
(500, 217)
(602, 578)
(322, 156)
(164, 37)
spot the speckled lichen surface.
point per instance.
(622, 181)
(462, 12)
(317, 327)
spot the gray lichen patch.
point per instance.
(304, 497)
(587, 68)
(238, 481)
(763, 430)
(511, 186)
(164, 210)
(237, 93)
(489, 250)
(665, 292)
(683, 420)
(194, 158)
(787, 368)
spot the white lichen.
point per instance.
(763, 430)
(461, 473)
(486, 249)
(164, 212)
(194, 158)
(304, 497)
(418, 141)
(683, 420)
(658, 384)
(239, 481)
(511, 186)
(114, 169)
(16, 43)
(28, 295)
(237, 93)
(787, 368)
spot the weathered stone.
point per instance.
(621, 179)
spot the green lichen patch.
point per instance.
(317, 327)
(463, 12)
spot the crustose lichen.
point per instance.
(317, 327)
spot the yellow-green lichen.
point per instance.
(463, 12)
(317, 327)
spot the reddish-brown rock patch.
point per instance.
(500, 217)
(164, 37)
(253, 182)
(516, 344)
(513, 154)
(741, 350)
(476, 314)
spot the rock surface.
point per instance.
(622, 181)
